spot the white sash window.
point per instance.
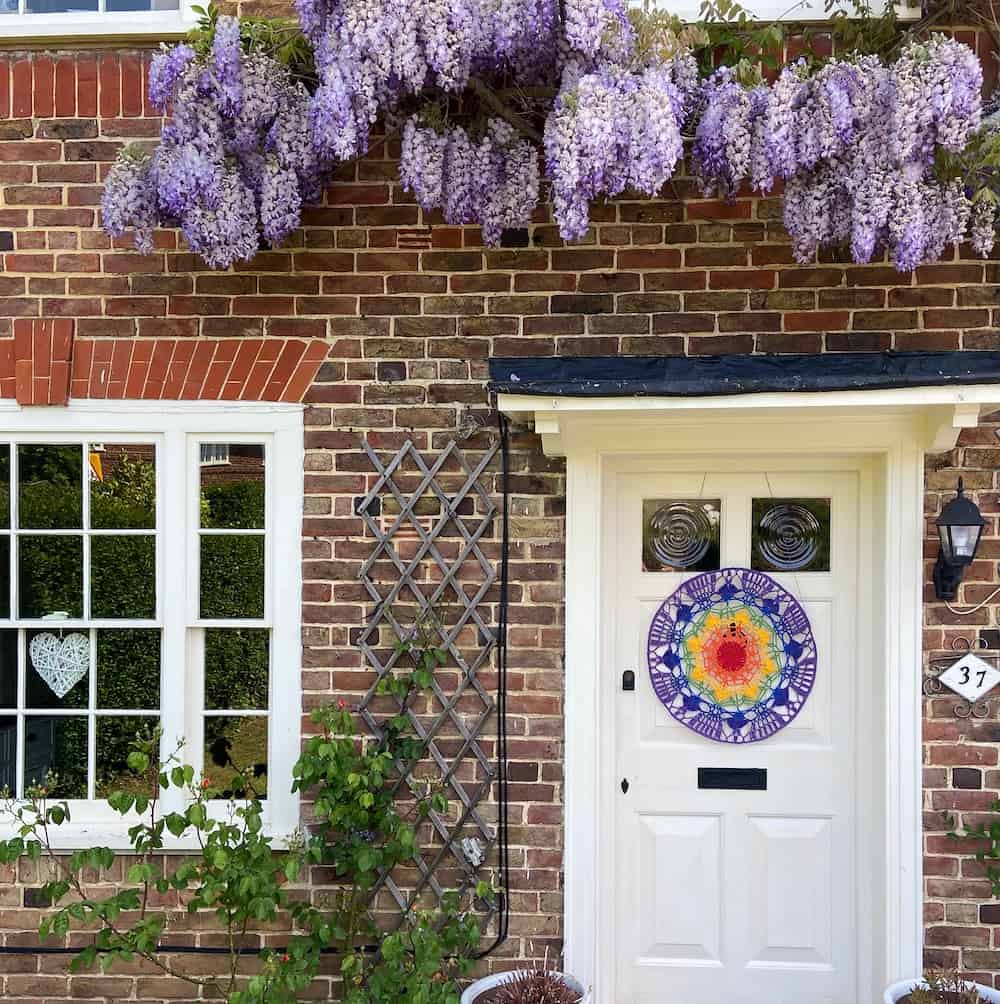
(149, 577)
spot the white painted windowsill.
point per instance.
(165, 25)
(76, 836)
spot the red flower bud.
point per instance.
(341, 703)
(285, 958)
(206, 783)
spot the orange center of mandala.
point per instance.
(731, 657)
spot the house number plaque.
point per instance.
(970, 677)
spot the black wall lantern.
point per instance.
(960, 526)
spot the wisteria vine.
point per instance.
(491, 96)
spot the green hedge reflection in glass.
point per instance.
(125, 499)
(128, 668)
(50, 487)
(50, 575)
(236, 669)
(123, 577)
(232, 576)
(5, 486)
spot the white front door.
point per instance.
(725, 895)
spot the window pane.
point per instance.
(137, 5)
(8, 755)
(60, 6)
(5, 486)
(8, 670)
(115, 737)
(680, 535)
(236, 744)
(236, 669)
(50, 576)
(4, 577)
(128, 668)
(55, 754)
(232, 576)
(50, 494)
(791, 535)
(123, 577)
(232, 486)
(58, 670)
(122, 486)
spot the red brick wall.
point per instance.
(409, 311)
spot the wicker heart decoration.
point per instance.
(61, 662)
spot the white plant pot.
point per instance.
(489, 982)
(899, 990)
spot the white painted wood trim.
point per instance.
(89, 25)
(178, 427)
(894, 435)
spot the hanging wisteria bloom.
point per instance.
(609, 131)
(492, 181)
(235, 162)
(855, 143)
(860, 146)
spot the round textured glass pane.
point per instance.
(680, 534)
(789, 536)
(732, 656)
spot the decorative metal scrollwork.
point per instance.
(933, 687)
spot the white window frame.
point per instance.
(164, 25)
(178, 429)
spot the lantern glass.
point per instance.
(959, 543)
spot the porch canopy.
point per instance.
(951, 389)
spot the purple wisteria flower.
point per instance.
(165, 71)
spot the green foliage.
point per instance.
(730, 34)
(279, 37)
(235, 505)
(234, 872)
(946, 987)
(987, 852)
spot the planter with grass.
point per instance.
(527, 986)
(940, 988)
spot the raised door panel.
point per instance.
(680, 888)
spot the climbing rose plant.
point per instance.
(494, 99)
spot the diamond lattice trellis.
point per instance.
(433, 524)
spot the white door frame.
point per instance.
(894, 428)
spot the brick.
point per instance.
(65, 87)
(22, 103)
(816, 320)
(591, 303)
(110, 86)
(44, 87)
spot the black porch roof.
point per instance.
(694, 376)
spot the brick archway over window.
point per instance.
(45, 364)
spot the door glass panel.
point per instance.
(680, 535)
(791, 535)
